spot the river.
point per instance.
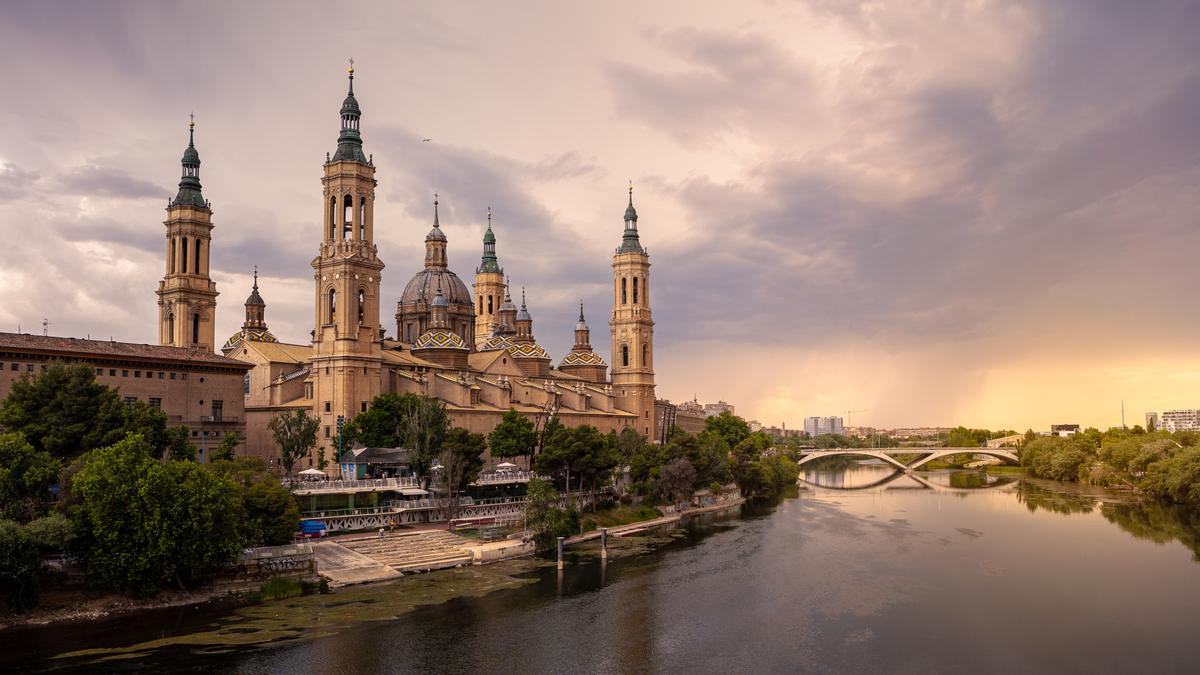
(964, 573)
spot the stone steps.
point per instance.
(414, 551)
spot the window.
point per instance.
(624, 297)
(160, 374)
(328, 406)
(645, 353)
(326, 431)
(408, 333)
(137, 373)
(362, 304)
(481, 305)
(155, 402)
(112, 372)
(624, 355)
(491, 306)
(124, 373)
(29, 367)
(17, 366)
(171, 328)
(196, 267)
(333, 217)
(183, 376)
(99, 371)
(331, 306)
(218, 409)
(635, 290)
(194, 434)
(348, 217)
(246, 383)
(202, 379)
(363, 407)
(195, 329)
(362, 218)
(172, 376)
(183, 257)
(130, 400)
(171, 259)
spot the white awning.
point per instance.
(413, 491)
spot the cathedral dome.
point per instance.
(247, 335)
(439, 338)
(423, 287)
(582, 358)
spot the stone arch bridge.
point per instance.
(925, 455)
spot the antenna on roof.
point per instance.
(45, 327)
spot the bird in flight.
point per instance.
(426, 140)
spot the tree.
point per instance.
(418, 423)
(295, 433)
(544, 518)
(20, 566)
(26, 475)
(462, 460)
(731, 427)
(677, 480)
(225, 450)
(628, 443)
(144, 523)
(514, 436)
(65, 412)
(710, 459)
(271, 512)
(179, 445)
(582, 452)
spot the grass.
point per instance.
(618, 515)
(280, 588)
(1005, 469)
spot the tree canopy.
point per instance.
(26, 475)
(295, 433)
(731, 427)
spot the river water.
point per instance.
(961, 573)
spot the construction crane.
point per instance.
(849, 413)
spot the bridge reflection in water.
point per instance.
(919, 482)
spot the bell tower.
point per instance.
(347, 336)
(187, 297)
(633, 327)
(489, 287)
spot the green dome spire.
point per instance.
(350, 141)
(489, 263)
(630, 242)
(189, 183)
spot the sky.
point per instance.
(926, 213)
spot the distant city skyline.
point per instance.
(936, 216)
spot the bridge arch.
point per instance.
(998, 453)
(857, 452)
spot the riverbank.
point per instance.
(64, 606)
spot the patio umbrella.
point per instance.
(506, 466)
(313, 473)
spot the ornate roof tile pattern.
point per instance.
(583, 359)
(439, 338)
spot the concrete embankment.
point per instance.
(368, 558)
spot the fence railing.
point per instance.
(310, 487)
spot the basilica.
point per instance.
(472, 347)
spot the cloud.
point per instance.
(15, 181)
(109, 182)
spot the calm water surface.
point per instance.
(960, 573)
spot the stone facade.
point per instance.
(195, 388)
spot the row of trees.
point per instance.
(1165, 465)
(133, 506)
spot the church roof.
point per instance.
(580, 358)
(439, 338)
(424, 284)
(70, 348)
(528, 350)
(282, 352)
(247, 335)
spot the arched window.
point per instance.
(333, 217)
(362, 219)
(246, 383)
(481, 305)
(171, 258)
(331, 307)
(362, 305)
(635, 290)
(491, 306)
(183, 255)
(624, 291)
(645, 352)
(408, 332)
(195, 329)
(624, 355)
(196, 267)
(348, 217)
(171, 328)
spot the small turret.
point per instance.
(350, 140)
(630, 243)
(189, 183)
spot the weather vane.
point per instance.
(351, 69)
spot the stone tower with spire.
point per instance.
(633, 327)
(489, 287)
(347, 336)
(187, 296)
(583, 361)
